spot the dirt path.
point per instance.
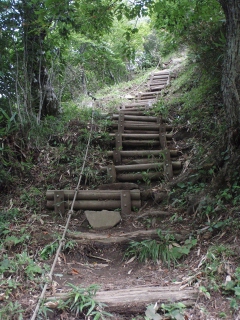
(143, 154)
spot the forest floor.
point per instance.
(209, 266)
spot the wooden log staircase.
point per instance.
(140, 152)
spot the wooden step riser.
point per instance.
(176, 165)
(143, 177)
(94, 205)
(140, 136)
(137, 125)
(136, 118)
(144, 160)
(139, 143)
(143, 153)
(93, 194)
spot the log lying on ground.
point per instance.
(136, 299)
(89, 238)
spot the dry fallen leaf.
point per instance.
(131, 260)
(51, 304)
(2, 296)
(74, 271)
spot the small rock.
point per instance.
(104, 219)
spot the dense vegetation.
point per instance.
(56, 55)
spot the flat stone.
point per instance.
(104, 219)
(118, 186)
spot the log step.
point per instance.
(94, 204)
(136, 118)
(140, 136)
(93, 194)
(136, 299)
(131, 125)
(143, 153)
(177, 165)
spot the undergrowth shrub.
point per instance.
(166, 249)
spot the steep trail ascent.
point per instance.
(142, 152)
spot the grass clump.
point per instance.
(166, 249)
(81, 302)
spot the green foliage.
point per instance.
(21, 265)
(166, 249)
(12, 310)
(200, 25)
(151, 313)
(232, 287)
(81, 302)
(7, 217)
(50, 249)
(174, 310)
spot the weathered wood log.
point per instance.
(94, 194)
(135, 130)
(136, 118)
(120, 237)
(138, 161)
(177, 165)
(132, 112)
(141, 177)
(144, 153)
(141, 136)
(142, 126)
(140, 143)
(140, 103)
(136, 299)
(145, 109)
(152, 88)
(94, 204)
(160, 81)
(118, 186)
(148, 95)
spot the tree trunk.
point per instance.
(41, 99)
(231, 71)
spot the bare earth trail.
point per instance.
(144, 156)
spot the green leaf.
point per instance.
(237, 291)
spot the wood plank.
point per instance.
(141, 136)
(94, 204)
(143, 153)
(93, 194)
(135, 299)
(144, 166)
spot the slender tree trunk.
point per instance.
(42, 99)
(231, 71)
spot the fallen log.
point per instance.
(136, 299)
(99, 238)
